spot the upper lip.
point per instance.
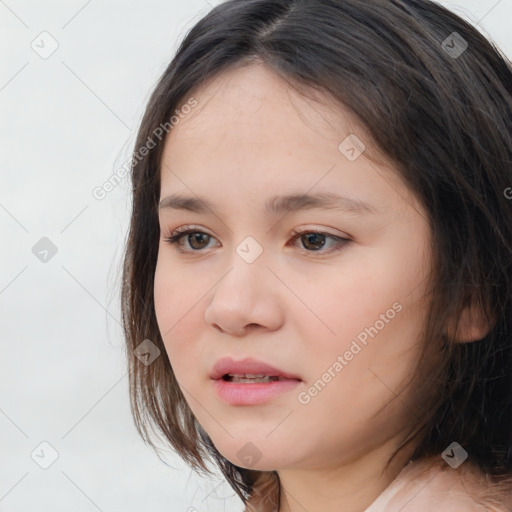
(226, 365)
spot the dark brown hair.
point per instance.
(442, 114)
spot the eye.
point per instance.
(312, 240)
(315, 241)
(196, 239)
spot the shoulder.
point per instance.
(432, 485)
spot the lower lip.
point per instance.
(252, 394)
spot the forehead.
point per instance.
(252, 104)
(251, 130)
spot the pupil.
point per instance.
(313, 238)
(196, 237)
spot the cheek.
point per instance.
(176, 292)
(177, 310)
(352, 304)
(377, 313)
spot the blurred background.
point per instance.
(75, 76)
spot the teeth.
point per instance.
(252, 378)
(253, 381)
(248, 375)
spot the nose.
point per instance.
(247, 298)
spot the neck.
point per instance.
(351, 487)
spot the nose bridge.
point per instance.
(246, 275)
(245, 294)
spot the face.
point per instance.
(330, 294)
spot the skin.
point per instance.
(249, 138)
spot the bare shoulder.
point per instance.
(433, 485)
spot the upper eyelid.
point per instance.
(320, 230)
(181, 232)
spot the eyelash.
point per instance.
(175, 237)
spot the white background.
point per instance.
(67, 122)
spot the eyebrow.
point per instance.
(277, 204)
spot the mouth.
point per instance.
(250, 382)
(249, 371)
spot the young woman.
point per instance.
(317, 288)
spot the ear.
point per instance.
(473, 325)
